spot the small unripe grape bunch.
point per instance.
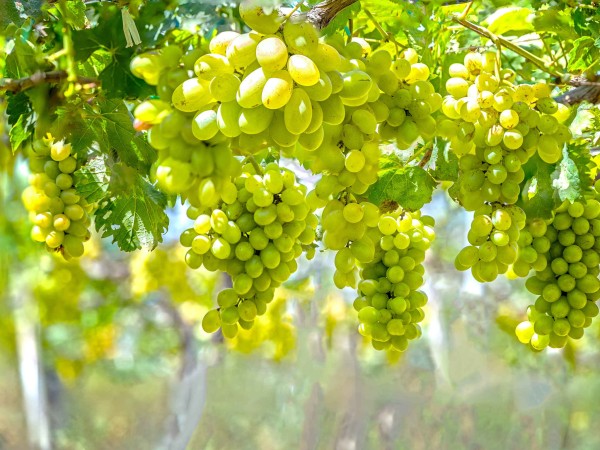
(407, 99)
(60, 216)
(493, 237)
(254, 235)
(346, 223)
(390, 304)
(568, 287)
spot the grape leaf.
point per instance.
(8, 13)
(92, 180)
(445, 162)
(19, 133)
(17, 106)
(566, 179)
(114, 123)
(116, 78)
(584, 54)
(410, 187)
(553, 21)
(76, 13)
(80, 133)
(537, 199)
(507, 19)
(130, 209)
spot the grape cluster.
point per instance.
(255, 235)
(199, 169)
(568, 287)
(389, 305)
(533, 244)
(59, 215)
(346, 227)
(396, 104)
(494, 233)
(495, 127)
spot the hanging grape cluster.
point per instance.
(568, 287)
(255, 236)
(59, 215)
(331, 105)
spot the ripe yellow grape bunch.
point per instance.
(568, 287)
(495, 126)
(197, 169)
(59, 215)
(255, 236)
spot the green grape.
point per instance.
(303, 70)
(249, 94)
(191, 95)
(297, 113)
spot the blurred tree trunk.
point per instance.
(31, 371)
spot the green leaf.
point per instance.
(410, 187)
(117, 80)
(21, 60)
(130, 209)
(508, 19)
(566, 179)
(553, 21)
(445, 162)
(19, 133)
(537, 199)
(114, 125)
(8, 13)
(17, 106)
(81, 134)
(583, 55)
(76, 13)
(92, 180)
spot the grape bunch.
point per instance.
(533, 244)
(59, 215)
(396, 106)
(255, 236)
(346, 227)
(493, 235)
(568, 287)
(408, 99)
(495, 127)
(198, 169)
(166, 68)
(390, 304)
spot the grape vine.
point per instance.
(229, 121)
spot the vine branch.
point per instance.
(55, 76)
(540, 63)
(322, 13)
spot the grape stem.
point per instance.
(466, 10)
(426, 156)
(252, 160)
(291, 13)
(387, 37)
(499, 40)
(55, 76)
(322, 13)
